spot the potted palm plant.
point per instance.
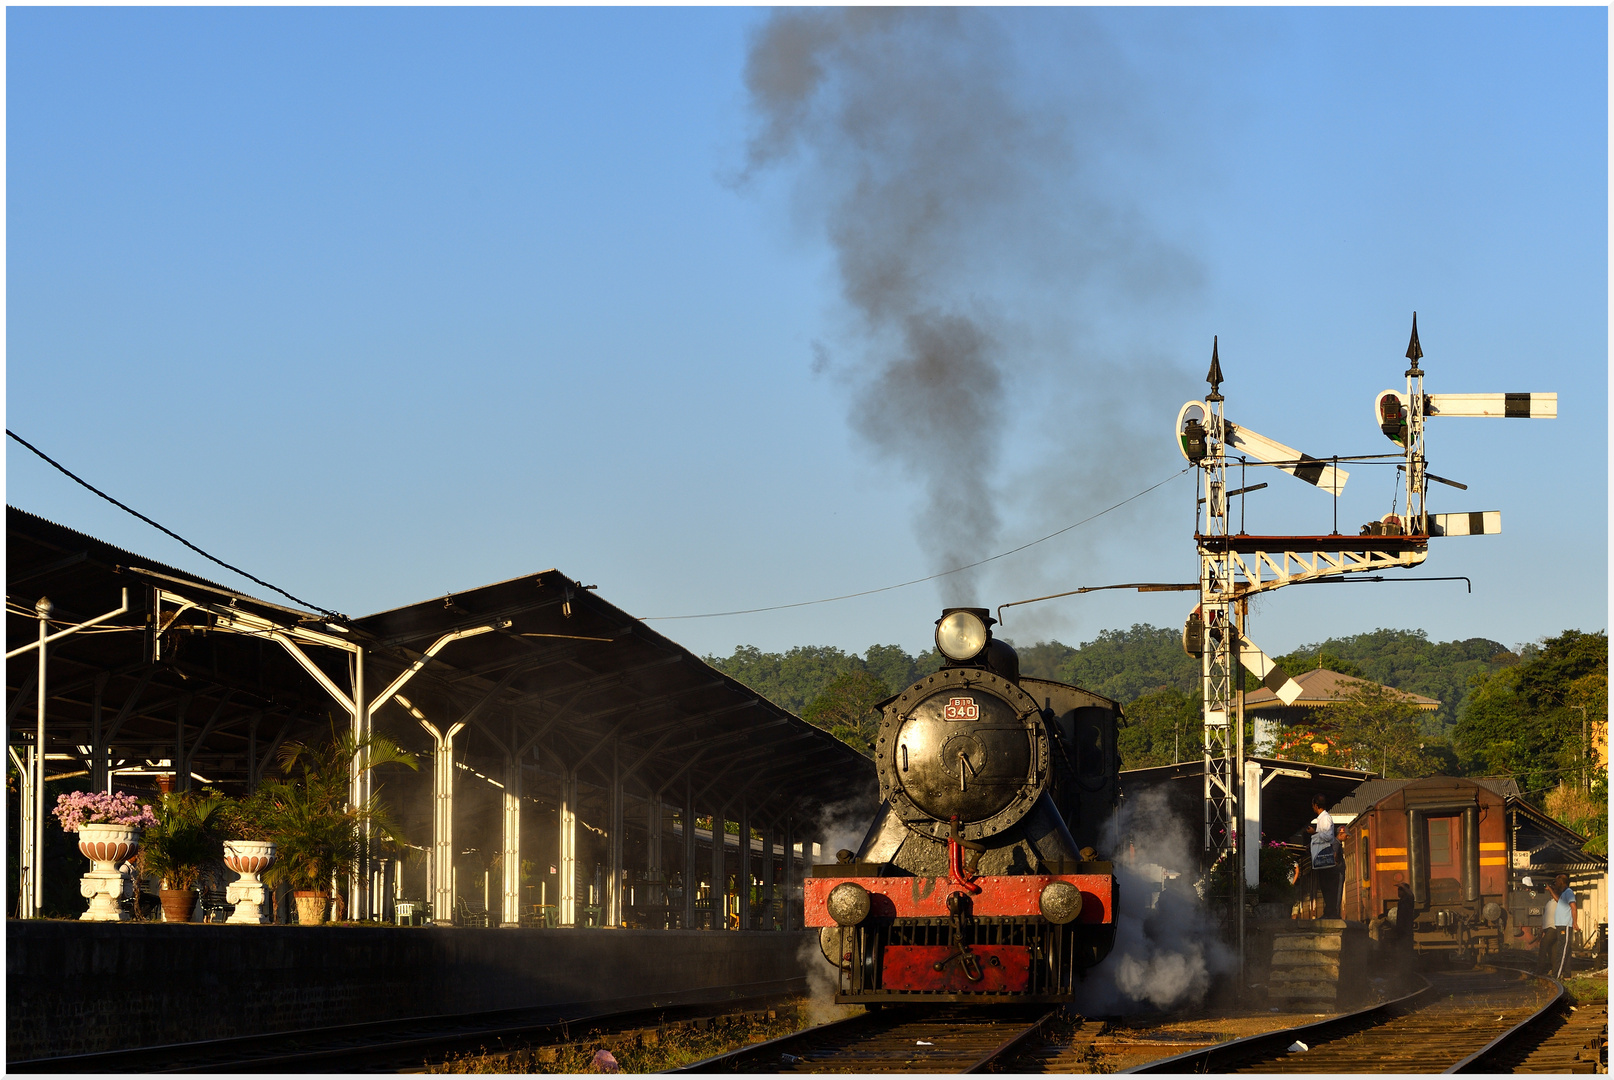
(316, 831)
(184, 840)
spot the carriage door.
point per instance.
(1444, 843)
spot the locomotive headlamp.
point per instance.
(848, 903)
(1060, 902)
(960, 635)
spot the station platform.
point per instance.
(75, 987)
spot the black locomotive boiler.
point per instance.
(980, 878)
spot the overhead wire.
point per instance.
(928, 577)
(59, 467)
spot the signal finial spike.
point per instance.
(1414, 350)
(1214, 377)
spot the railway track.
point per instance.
(1461, 1021)
(391, 1046)
(950, 1040)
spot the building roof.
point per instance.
(1320, 687)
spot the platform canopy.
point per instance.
(538, 673)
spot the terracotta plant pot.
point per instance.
(311, 906)
(107, 847)
(178, 904)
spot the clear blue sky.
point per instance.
(382, 304)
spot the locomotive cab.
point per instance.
(969, 885)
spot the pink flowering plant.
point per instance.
(78, 808)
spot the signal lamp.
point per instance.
(1194, 447)
(961, 634)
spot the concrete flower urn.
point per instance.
(107, 847)
(249, 858)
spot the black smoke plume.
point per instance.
(961, 218)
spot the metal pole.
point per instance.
(787, 920)
(358, 776)
(742, 874)
(691, 874)
(1242, 839)
(43, 610)
(613, 889)
(511, 903)
(25, 850)
(718, 866)
(98, 754)
(568, 846)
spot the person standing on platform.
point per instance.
(1325, 856)
(1559, 919)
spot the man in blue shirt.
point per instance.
(1560, 927)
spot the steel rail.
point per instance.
(890, 1032)
(1228, 1056)
(1217, 1058)
(1014, 1042)
(1477, 1061)
(720, 1062)
(339, 1048)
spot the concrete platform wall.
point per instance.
(75, 987)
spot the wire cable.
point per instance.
(921, 580)
(59, 467)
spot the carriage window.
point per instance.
(1440, 841)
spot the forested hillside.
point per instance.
(1527, 714)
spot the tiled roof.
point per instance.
(1320, 687)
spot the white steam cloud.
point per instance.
(1167, 951)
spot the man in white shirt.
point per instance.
(1325, 856)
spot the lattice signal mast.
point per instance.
(1234, 565)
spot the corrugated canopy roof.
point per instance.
(564, 670)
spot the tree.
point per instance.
(1124, 665)
(847, 710)
(1526, 721)
(1378, 729)
(1160, 728)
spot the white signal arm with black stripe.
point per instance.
(1511, 406)
(1272, 676)
(1331, 478)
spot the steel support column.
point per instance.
(691, 874)
(612, 900)
(25, 847)
(742, 873)
(655, 821)
(360, 886)
(510, 902)
(441, 866)
(36, 836)
(567, 859)
(769, 835)
(98, 748)
(719, 878)
(787, 919)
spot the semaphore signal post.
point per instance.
(1233, 565)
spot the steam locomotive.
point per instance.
(980, 878)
